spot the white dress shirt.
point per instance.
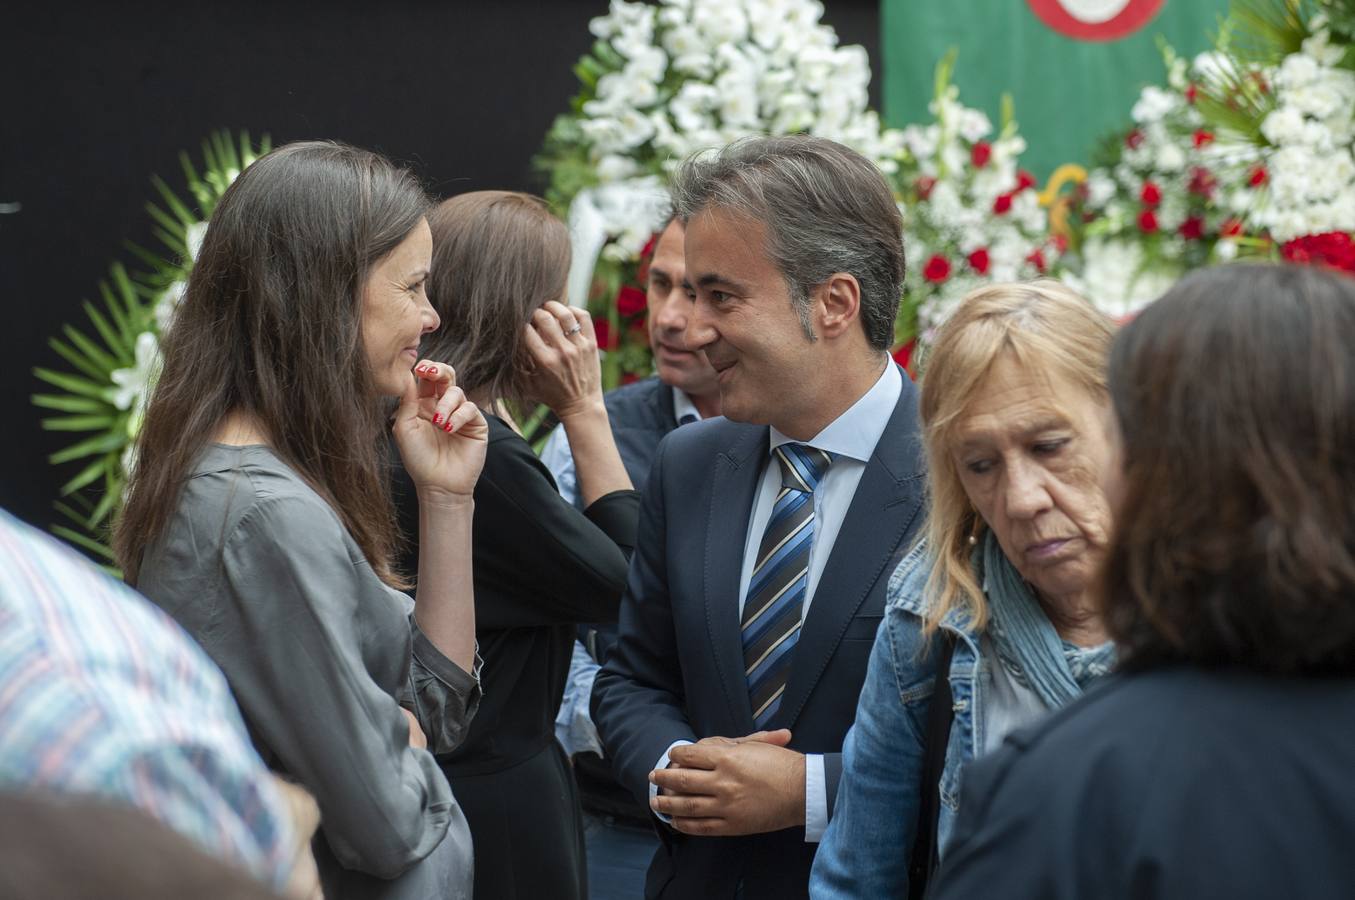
(851, 437)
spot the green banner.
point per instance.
(1068, 92)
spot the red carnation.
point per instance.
(978, 261)
(980, 153)
(937, 269)
(1134, 139)
(1151, 195)
(1201, 182)
(1147, 221)
(1202, 138)
(903, 355)
(603, 329)
(924, 185)
(1259, 176)
(1036, 259)
(1231, 228)
(630, 301)
(1332, 249)
(1003, 204)
(629, 378)
(1191, 93)
(1024, 180)
(1060, 242)
(1192, 229)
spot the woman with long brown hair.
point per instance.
(541, 566)
(258, 514)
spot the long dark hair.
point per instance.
(271, 326)
(1235, 535)
(497, 256)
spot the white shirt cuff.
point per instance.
(663, 764)
(816, 798)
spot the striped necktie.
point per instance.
(776, 592)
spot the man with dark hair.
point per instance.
(766, 538)
(681, 391)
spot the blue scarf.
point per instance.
(1027, 644)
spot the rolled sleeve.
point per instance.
(443, 695)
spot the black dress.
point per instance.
(540, 567)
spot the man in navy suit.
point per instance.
(766, 537)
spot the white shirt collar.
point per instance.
(683, 405)
(855, 433)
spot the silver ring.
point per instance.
(575, 330)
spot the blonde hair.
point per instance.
(1048, 328)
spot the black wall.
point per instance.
(97, 97)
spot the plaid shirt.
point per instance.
(102, 694)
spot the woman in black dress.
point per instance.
(540, 565)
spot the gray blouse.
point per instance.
(320, 655)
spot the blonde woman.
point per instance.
(994, 605)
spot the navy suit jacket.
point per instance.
(676, 672)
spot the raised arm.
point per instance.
(568, 379)
(442, 439)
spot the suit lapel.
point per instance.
(733, 487)
(886, 501)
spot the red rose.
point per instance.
(1191, 93)
(1023, 180)
(978, 260)
(648, 250)
(903, 355)
(603, 329)
(1231, 228)
(1036, 259)
(1003, 204)
(1060, 242)
(1332, 249)
(937, 269)
(924, 185)
(629, 378)
(630, 301)
(1259, 176)
(1202, 138)
(1134, 139)
(1192, 229)
(1147, 221)
(1201, 182)
(1151, 195)
(980, 153)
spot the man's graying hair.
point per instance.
(826, 208)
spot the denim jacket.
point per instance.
(866, 848)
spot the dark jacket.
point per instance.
(1180, 783)
(641, 415)
(677, 671)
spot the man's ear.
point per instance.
(840, 304)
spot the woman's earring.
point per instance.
(974, 533)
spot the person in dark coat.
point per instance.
(541, 566)
(1218, 762)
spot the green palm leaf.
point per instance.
(123, 312)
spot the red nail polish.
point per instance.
(437, 418)
(447, 428)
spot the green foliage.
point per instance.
(86, 395)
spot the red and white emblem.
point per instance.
(1096, 20)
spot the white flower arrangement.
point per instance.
(1237, 155)
(665, 80)
(1310, 134)
(971, 214)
